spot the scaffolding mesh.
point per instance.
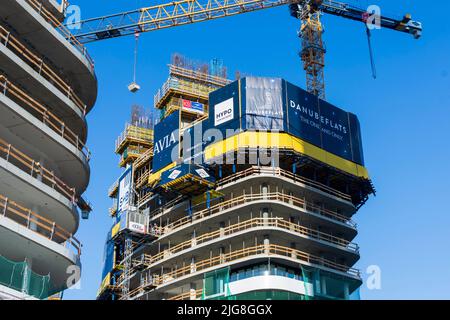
(216, 284)
(20, 277)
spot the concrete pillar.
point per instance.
(193, 266)
(266, 244)
(264, 190)
(194, 239)
(222, 254)
(222, 228)
(265, 215)
(293, 253)
(192, 291)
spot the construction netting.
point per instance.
(215, 284)
(20, 277)
(320, 284)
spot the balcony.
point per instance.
(312, 239)
(40, 112)
(34, 23)
(39, 65)
(272, 251)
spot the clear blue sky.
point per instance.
(404, 114)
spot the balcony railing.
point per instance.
(145, 157)
(38, 224)
(40, 67)
(13, 92)
(255, 171)
(247, 199)
(195, 295)
(248, 225)
(35, 169)
(52, 20)
(264, 250)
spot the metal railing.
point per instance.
(38, 64)
(198, 76)
(142, 179)
(52, 20)
(285, 174)
(271, 250)
(35, 169)
(142, 135)
(188, 87)
(8, 89)
(145, 157)
(38, 224)
(188, 295)
(247, 225)
(246, 199)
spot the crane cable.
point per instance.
(136, 36)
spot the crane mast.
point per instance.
(184, 12)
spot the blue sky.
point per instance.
(404, 114)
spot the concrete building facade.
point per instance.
(234, 225)
(47, 87)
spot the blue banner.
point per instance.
(166, 141)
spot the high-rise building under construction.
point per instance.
(241, 190)
(47, 86)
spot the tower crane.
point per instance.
(177, 13)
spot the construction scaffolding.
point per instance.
(311, 203)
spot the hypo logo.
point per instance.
(164, 143)
(223, 112)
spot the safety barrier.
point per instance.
(250, 224)
(265, 250)
(8, 89)
(35, 169)
(20, 277)
(144, 158)
(246, 199)
(38, 224)
(256, 171)
(38, 64)
(195, 295)
(138, 134)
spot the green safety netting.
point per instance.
(215, 284)
(19, 276)
(308, 283)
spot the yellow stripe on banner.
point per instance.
(157, 175)
(283, 141)
(106, 281)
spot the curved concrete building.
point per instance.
(47, 87)
(265, 212)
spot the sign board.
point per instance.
(323, 124)
(136, 227)
(166, 141)
(124, 192)
(192, 106)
